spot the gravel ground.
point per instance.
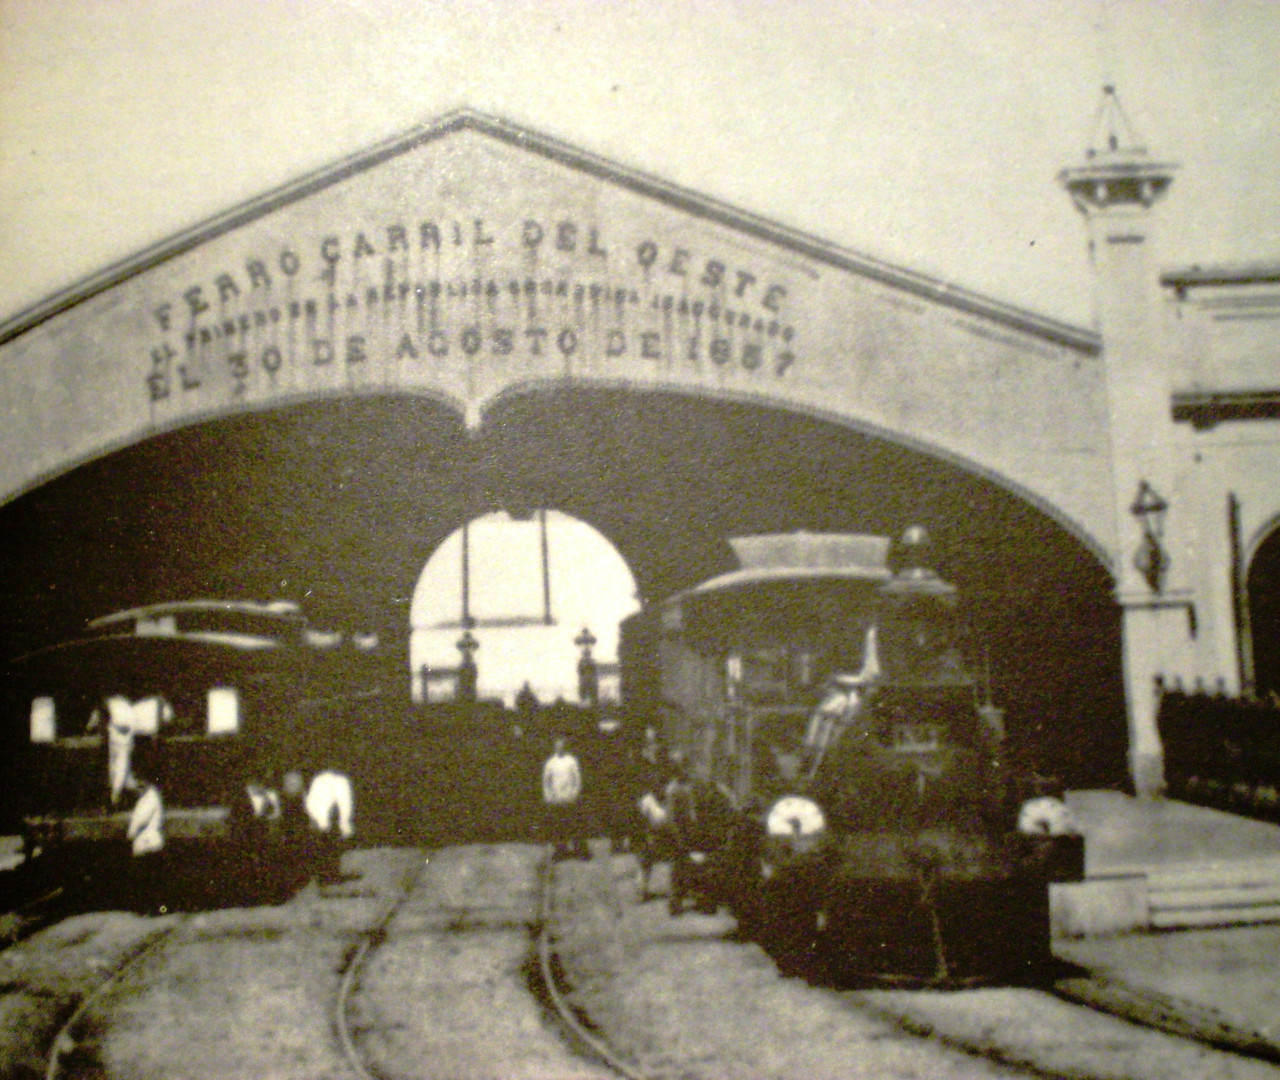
(1046, 1036)
(1231, 970)
(42, 979)
(447, 995)
(248, 992)
(683, 998)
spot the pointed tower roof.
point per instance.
(1117, 172)
(1112, 132)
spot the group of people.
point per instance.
(286, 830)
(686, 823)
(675, 820)
(292, 822)
(297, 831)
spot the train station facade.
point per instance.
(476, 317)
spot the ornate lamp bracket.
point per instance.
(1151, 559)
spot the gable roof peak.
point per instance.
(468, 118)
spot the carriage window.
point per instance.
(69, 717)
(150, 714)
(224, 710)
(733, 676)
(44, 720)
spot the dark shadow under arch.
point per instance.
(341, 501)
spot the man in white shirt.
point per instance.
(148, 873)
(561, 787)
(330, 805)
(119, 721)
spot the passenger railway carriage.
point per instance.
(216, 702)
(825, 697)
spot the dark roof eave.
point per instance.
(934, 289)
(1204, 409)
(1244, 274)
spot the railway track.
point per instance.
(347, 986)
(1080, 1027)
(73, 1047)
(708, 1005)
(1164, 1012)
(117, 1025)
(1050, 1036)
(550, 975)
(100, 1011)
(546, 986)
(461, 981)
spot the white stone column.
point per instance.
(1115, 189)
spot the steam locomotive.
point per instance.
(823, 697)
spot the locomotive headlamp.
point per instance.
(1046, 816)
(795, 825)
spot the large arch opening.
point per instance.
(341, 503)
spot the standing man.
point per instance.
(329, 803)
(682, 813)
(145, 833)
(699, 828)
(651, 838)
(118, 711)
(561, 787)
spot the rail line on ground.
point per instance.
(1164, 1012)
(548, 969)
(370, 941)
(66, 1044)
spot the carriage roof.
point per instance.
(800, 556)
(284, 611)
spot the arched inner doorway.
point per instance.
(526, 595)
(1263, 589)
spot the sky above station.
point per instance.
(923, 132)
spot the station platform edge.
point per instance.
(1161, 864)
